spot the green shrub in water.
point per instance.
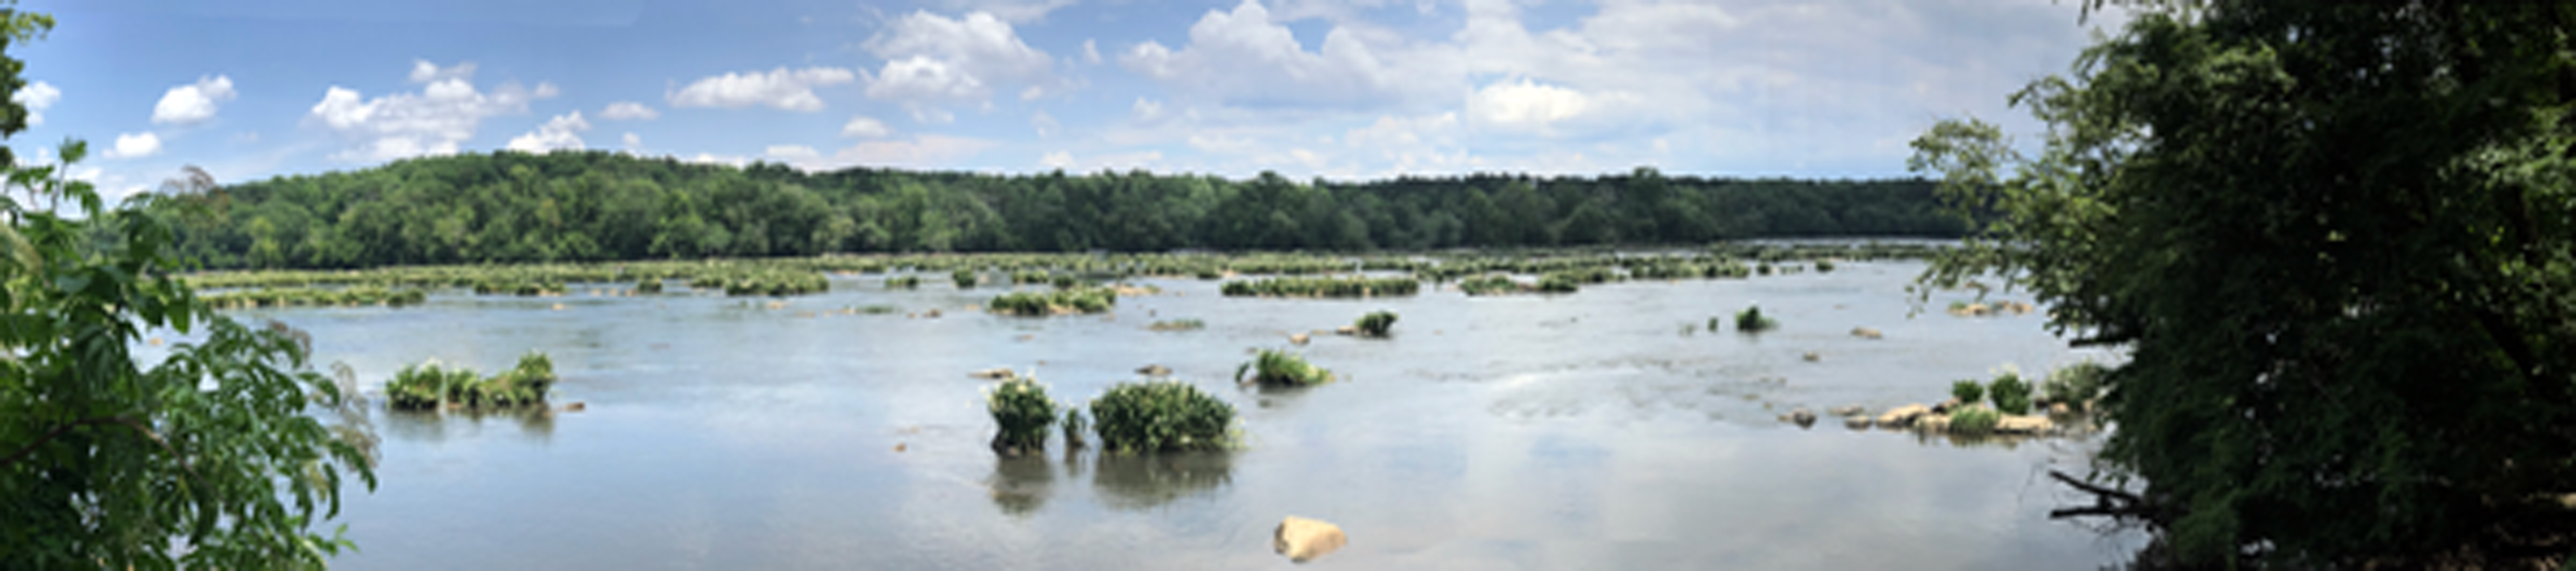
(1558, 282)
(964, 278)
(1494, 284)
(1024, 412)
(1179, 325)
(1376, 323)
(1273, 368)
(2010, 394)
(1973, 420)
(1074, 425)
(1968, 391)
(2074, 384)
(427, 385)
(903, 282)
(1158, 416)
(1751, 320)
(648, 286)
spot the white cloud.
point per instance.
(134, 145)
(1526, 104)
(782, 88)
(629, 111)
(1245, 57)
(932, 116)
(865, 126)
(558, 134)
(36, 97)
(443, 115)
(1013, 11)
(792, 153)
(193, 103)
(1091, 52)
(633, 143)
(1112, 161)
(422, 71)
(933, 60)
(1045, 124)
(1147, 110)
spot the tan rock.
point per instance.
(1811, 357)
(1866, 333)
(2023, 424)
(1299, 338)
(576, 406)
(1304, 539)
(1903, 415)
(2060, 409)
(992, 373)
(1154, 371)
(1932, 423)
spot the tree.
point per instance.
(206, 459)
(2337, 239)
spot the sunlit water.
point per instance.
(1583, 431)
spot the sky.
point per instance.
(1339, 89)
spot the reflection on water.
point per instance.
(1519, 431)
(1143, 482)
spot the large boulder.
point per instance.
(1304, 539)
(2024, 424)
(1903, 416)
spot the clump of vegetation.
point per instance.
(2074, 384)
(1159, 416)
(427, 386)
(1074, 425)
(518, 287)
(879, 309)
(965, 278)
(2010, 394)
(1376, 323)
(303, 296)
(1492, 284)
(1751, 320)
(770, 282)
(1178, 325)
(1029, 277)
(1824, 266)
(1021, 407)
(1078, 300)
(1273, 368)
(651, 285)
(903, 282)
(1558, 282)
(1324, 287)
(1968, 391)
(1973, 420)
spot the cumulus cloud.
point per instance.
(1245, 57)
(782, 88)
(923, 151)
(36, 97)
(563, 132)
(633, 143)
(629, 111)
(134, 145)
(1013, 11)
(436, 120)
(792, 153)
(933, 60)
(193, 103)
(865, 126)
(1045, 124)
(1095, 163)
(1147, 110)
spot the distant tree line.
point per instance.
(590, 206)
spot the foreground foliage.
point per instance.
(1162, 416)
(204, 460)
(2339, 241)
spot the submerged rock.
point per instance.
(1299, 338)
(1856, 422)
(1154, 371)
(1304, 539)
(576, 406)
(1903, 416)
(1846, 410)
(1866, 333)
(1813, 357)
(1803, 417)
(992, 373)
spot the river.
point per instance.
(1604, 429)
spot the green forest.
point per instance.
(508, 207)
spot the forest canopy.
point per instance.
(507, 207)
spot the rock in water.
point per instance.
(1847, 410)
(1304, 539)
(1154, 371)
(992, 373)
(2022, 424)
(1866, 333)
(1298, 338)
(1903, 416)
(1856, 422)
(1802, 416)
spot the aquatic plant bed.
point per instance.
(429, 386)
(1076, 300)
(311, 296)
(1324, 287)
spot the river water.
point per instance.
(1597, 430)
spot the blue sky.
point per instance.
(1339, 89)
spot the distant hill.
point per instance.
(596, 205)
